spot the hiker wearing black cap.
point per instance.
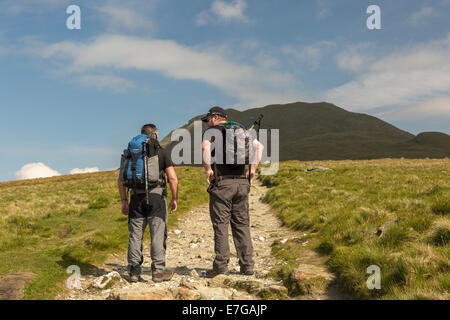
(229, 186)
(143, 170)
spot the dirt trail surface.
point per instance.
(12, 286)
(190, 253)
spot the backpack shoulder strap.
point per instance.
(236, 123)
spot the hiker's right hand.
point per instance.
(173, 205)
(125, 207)
(209, 176)
(252, 174)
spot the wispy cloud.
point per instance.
(223, 11)
(311, 55)
(85, 170)
(19, 7)
(323, 9)
(422, 15)
(246, 82)
(355, 57)
(435, 107)
(406, 77)
(438, 107)
(429, 115)
(120, 18)
(101, 81)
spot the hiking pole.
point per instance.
(146, 171)
(257, 123)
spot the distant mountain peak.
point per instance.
(324, 131)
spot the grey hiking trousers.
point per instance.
(141, 215)
(228, 203)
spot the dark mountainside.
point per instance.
(323, 131)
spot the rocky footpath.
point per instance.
(190, 253)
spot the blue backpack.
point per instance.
(139, 166)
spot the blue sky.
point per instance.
(73, 98)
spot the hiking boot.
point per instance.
(214, 273)
(158, 276)
(248, 272)
(136, 278)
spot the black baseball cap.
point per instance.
(213, 111)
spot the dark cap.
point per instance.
(213, 111)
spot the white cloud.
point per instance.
(85, 170)
(411, 75)
(229, 11)
(35, 170)
(422, 15)
(223, 11)
(40, 170)
(311, 54)
(18, 7)
(438, 107)
(355, 58)
(323, 9)
(120, 18)
(266, 60)
(246, 82)
(115, 83)
(203, 18)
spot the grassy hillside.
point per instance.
(48, 224)
(323, 131)
(341, 210)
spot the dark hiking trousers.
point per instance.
(155, 215)
(228, 203)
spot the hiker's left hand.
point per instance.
(173, 205)
(125, 208)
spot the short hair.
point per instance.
(150, 130)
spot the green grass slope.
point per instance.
(342, 209)
(48, 224)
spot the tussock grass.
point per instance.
(344, 207)
(441, 206)
(440, 232)
(48, 224)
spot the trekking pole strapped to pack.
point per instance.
(144, 147)
(257, 123)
